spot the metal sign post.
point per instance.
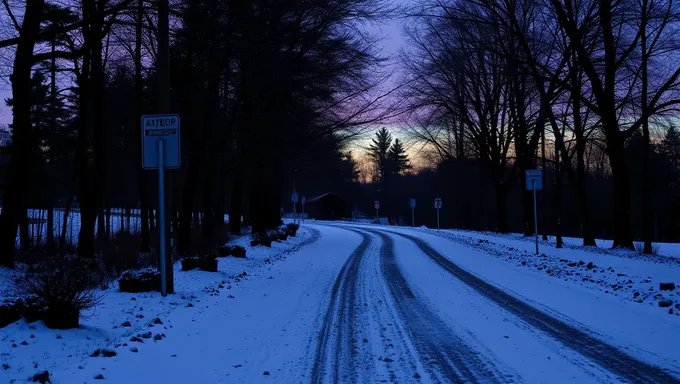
(161, 150)
(295, 199)
(534, 181)
(376, 204)
(412, 202)
(438, 205)
(303, 201)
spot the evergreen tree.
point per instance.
(378, 152)
(398, 159)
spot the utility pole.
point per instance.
(163, 99)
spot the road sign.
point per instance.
(534, 179)
(163, 128)
(412, 202)
(295, 197)
(303, 200)
(376, 204)
(535, 183)
(438, 204)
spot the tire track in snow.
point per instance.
(338, 329)
(447, 356)
(602, 353)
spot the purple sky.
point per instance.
(391, 43)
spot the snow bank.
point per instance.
(26, 349)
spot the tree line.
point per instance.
(266, 89)
(587, 90)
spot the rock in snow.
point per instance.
(665, 303)
(667, 286)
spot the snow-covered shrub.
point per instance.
(63, 285)
(140, 280)
(231, 250)
(260, 239)
(205, 260)
(291, 229)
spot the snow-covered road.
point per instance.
(368, 304)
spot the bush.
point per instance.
(291, 229)
(63, 286)
(231, 250)
(261, 239)
(141, 280)
(205, 261)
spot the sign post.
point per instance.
(438, 205)
(303, 201)
(412, 202)
(376, 204)
(534, 181)
(161, 150)
(295, 199)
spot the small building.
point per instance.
(328, 206)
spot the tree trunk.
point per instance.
(236, 208)
(49, 235)
(558, 198)
(88, 213)
(108, 222)
(646, 176)
(208, 215)
(187, 207)
(24, 236)
(501, 209)
(152, 220)
(543, 175)
(621, 201)
(21, 163)
(139, 110)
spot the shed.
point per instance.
(328, 206)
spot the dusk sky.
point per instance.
(391, 43)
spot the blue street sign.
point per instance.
(534, 179)
(154, 129)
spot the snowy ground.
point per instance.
(354, 302)
(66, 353)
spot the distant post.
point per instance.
(295, 198)
(412, 202)
(534, 181)
(303, 200)
(438, 205)
(376, 204)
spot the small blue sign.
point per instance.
(534, 179)
(154, 129)
(412, 202)
(295, 197)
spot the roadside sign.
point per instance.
(438, 203)
(295, 197)
(534, 179)
(412, 202)
(376, 204)
(154, 129)
(303, 200)
(535, 183)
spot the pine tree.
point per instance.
(378, 152)
(398, 159)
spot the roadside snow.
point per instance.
(26, 349)
(260, 330)
(614, 272)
